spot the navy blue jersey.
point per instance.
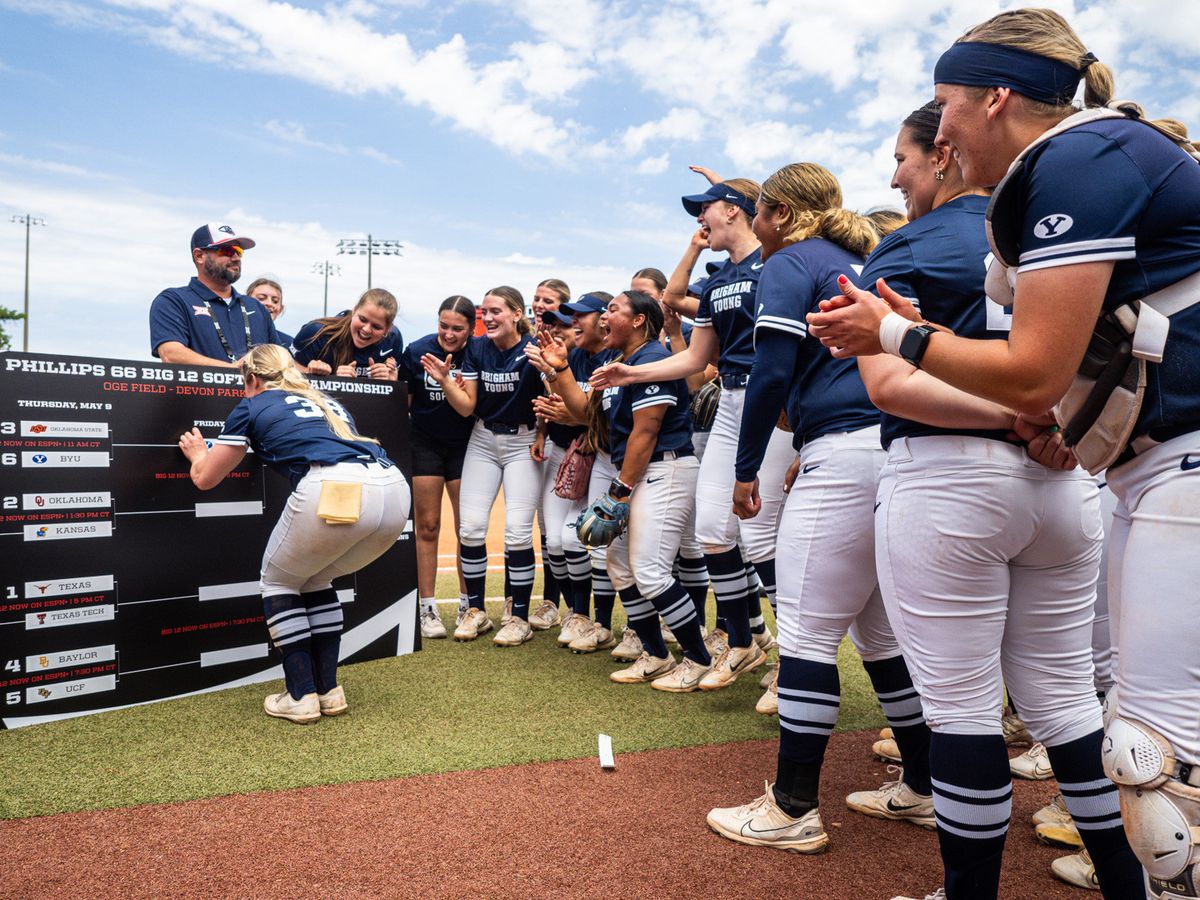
(306, 347)
(822, 395)
(620, 403)
(429, 411)
(507, 383)
(1117, 190)
(191, 315)
(285, 340)
(289, 432)
(685, 328)
(727, 306)
(582, 364)
(940, 262)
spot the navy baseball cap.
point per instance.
(206, 237)
(693, 202)
(696, 288)
(588, 303)
(556, 317)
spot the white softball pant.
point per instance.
(661, 518)
(556, 513)
(1154, 571)
(492, 460)
(305, 553)
(988, 564)
(826, 561)
(1104, 652)
(603, 472)
(717, 528)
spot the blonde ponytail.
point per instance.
(277, 371)
(813, 199)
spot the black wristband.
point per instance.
(914, 344)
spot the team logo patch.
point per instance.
(201, 311)
(226, 229)
(1053, 226)
(653, 389)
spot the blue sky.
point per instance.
(502, 142)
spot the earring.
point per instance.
(776, 227)
(939, 175)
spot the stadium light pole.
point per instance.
(326, 268)
(369, 248)
(28, 221)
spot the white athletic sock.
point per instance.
(428, 605)
(464, 602)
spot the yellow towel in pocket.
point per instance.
(341, 502)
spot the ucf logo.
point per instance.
(1053, 226)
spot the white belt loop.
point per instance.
(1150, 336)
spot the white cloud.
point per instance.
(110, 248)
(680, 124)
(521, 259)
(654, 165)
(294, 133)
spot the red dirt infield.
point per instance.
(563, 829)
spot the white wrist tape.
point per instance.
(892, 328)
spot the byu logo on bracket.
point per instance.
(1053, 226)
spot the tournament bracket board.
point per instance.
(120, 582)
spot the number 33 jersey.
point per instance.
(289, 433)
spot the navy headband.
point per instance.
(997, 65)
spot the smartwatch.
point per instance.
(619, 490)
(914, 344)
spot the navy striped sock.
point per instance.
(754, 602)
(550, 587)
(605, 594)
(693, 575)
(765, 569)
(474, 563)
(1093, 802)
(902, 706)
(325, 622)
(643, 619)
(809, 699)
(972, 800)
(287, 623)
(519, 563)
(727, 571)
(675, 606)
(558, 571)
(579, 573)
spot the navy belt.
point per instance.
(502, 428)
(739, 380)
(670, 454)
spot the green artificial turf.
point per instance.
(450, 707)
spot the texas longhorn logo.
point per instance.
(43, 587)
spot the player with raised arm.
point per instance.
(498, 389)
(347, 508)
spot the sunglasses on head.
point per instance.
(226, 250)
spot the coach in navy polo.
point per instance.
(207, 322)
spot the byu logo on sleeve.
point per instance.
(1053, 226)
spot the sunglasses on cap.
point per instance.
(230, 250)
